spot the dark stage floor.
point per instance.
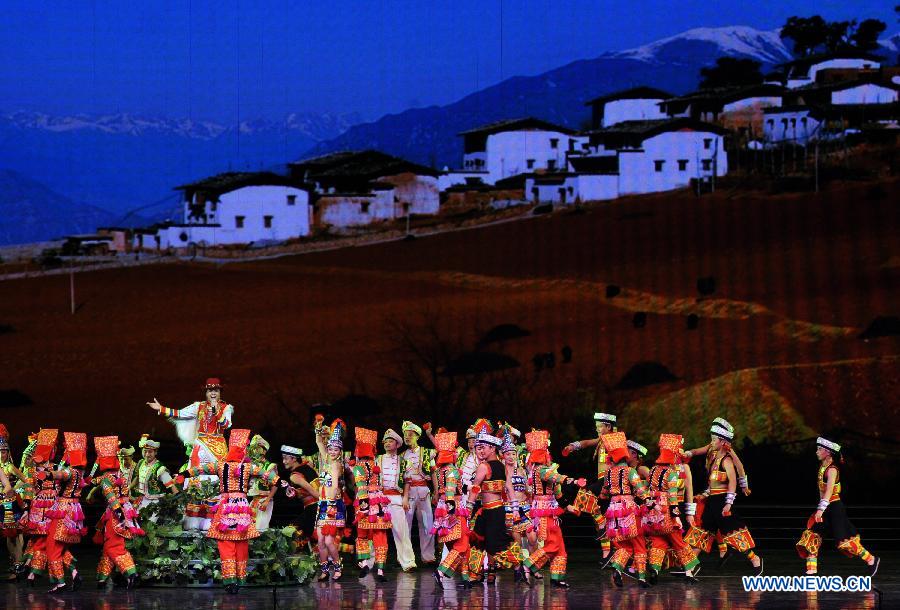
(591, 588)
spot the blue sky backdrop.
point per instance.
(237, 60)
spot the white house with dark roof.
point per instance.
(355, 188)
(512, 147)
(635, 104)
(796, 124)
(805, 70)
(234, 208)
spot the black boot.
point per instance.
(76, 580)
(652, 577)
(644, 584)
(617, 579)
(364, 571)
(380, 577)
(437, 579)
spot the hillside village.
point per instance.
(640, 140)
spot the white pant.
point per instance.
(400, 528)
(420, 504)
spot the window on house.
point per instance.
(707, 164)
(554, 142)
(571, 145)
(707, 143)
(658, 165)
(292, 200)
(803, 121)
(267, 222)
(571, 190)
(793, 122)
(551, 164)
(771, 122)
(530, 163)
(239, 222)
(682, 165)
(364, 207)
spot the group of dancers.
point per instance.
(492, 504)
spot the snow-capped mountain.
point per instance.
(738, 40)
(317, 126)
(428, 135)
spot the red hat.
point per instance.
(365, 442)
(76, 449)
(536, 442)
(237, 444)
(669, 448)
(46, 445)
(212, 383)
(616, 445)
(107, 448)
(445, 442)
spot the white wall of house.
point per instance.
(616, 111)
(583, 187)
(865, 94)
(670, 160)
(419, 194)
(790, 125)
(854, 64)
(518, 152)
(750, 103)
(255, 213)
(597, 187)
(342, 211)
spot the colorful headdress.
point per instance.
(213, 383)
(470, 432)
(827, 444)
(336, 434)
(107, 448)
(483, 438)
(508, 443)
(483, 426)
(722, 432)
(606, 418)
(391, 433)
(125, 451)
(46, 445)
(536, 442)
(409, 426)
(259, 441)
(639, 448)
(146, 441)
(76, 449)
(237, 444)
(4, 437)
(723, 423)
(616, 445)
(294, 451)
(365, 442)
(446, 447)
(669, 448)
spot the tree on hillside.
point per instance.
(807, 33)
(865, 38)
(731, 71)
(814, 34)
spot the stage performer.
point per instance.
(152, 478)
(718, 499)
(372, 516)
(332, 511)
(490, 524)
(831, 514)
(120, 520)
(301, 483)
(518, 501)
(201, 427)
(233, 524)
(419, 462)
(259, 493)
(544, 483)
(393, 470)
(450, 523)
(11, 506)
(40, 516)
(622, 486)
(587, 500)
(662, 519)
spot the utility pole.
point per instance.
(72, 290)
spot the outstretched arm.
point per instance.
(578, 445)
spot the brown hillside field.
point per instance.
(797, 278)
